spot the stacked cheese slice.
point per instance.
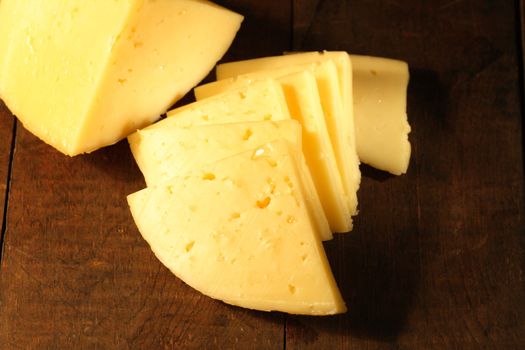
(245, 183)
(231, 207)
(373, 92)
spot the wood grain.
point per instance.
(6, 137)
(436, 258)
(77, 274)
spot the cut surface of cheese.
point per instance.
(237, 230)
(163, 153)
(344, 69)
(80, 84)
(380, 95)
(259, 101)
(334, 79)
(302, 96)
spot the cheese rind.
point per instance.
(380, 95)
(163, 153)
(302, 96)
(82, 99)
(226, 233)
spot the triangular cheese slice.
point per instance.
(302, 96)
(339, 107)
(238, 231)
(162, 153)
(262, 100)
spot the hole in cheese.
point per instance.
(247, 134)
(189, 246)
(291, 288)
(288, 182)
(271, 185)
(263, 203)
(208, 176)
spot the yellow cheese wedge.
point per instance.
(237, 230)
(380, 95)
(259, 101)
(335, 89)
(302, 96)
(162, 153)
(84, 74)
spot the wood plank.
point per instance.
(77, 274)
(6, 137)
(436, 258)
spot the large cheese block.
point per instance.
(302, 96)
(335, 88)
(380, 95)
(163, 153)
(237, 230)
(84, 74)
(258, 101)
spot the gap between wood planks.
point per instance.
(520, 4)
(8, 188)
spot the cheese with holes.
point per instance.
(84, 74)
(335, 89)
(380, 95)
(162, 153)
(259, 101)
(237, 230)
(302, 96)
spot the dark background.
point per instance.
(436, 259)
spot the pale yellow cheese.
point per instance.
(302, 96)
(162, 153)
(237, 230)
(380, 95)
(259, 101)
(84, 74)
(343, 109)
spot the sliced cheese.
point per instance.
(344, 81)
(380, 95)
(259, 101)
(302, 96)
(163, 153)
(230, 235)
(99, 70)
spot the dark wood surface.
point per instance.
(436, 259)
(6, 143)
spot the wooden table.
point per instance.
(436, 260)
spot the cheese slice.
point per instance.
(344, 81)
(302, 96)
(380, 95)
(162, 153)
(99, 69)
(237, 230)
(259, 101)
